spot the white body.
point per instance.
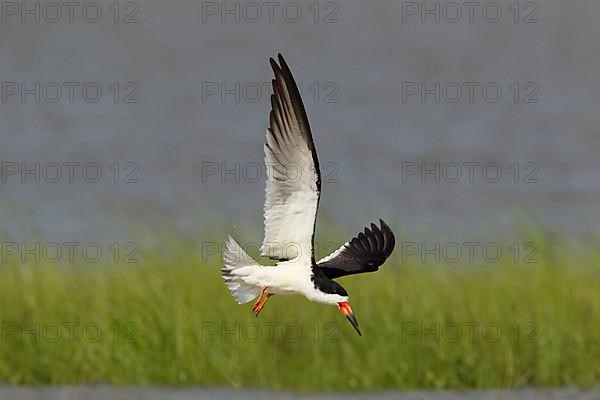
(245, 277)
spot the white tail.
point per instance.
(237, 265)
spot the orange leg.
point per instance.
(261, 305)
(257, 302)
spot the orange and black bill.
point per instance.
(347, 311)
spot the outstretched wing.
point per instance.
(293, 177)
(364, 253)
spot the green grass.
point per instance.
(177, 324)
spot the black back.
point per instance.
(325, 284)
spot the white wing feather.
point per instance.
(293, 178)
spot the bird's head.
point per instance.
(345, 309)
(333, 293)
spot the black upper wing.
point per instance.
(364, 253)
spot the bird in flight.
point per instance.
(292, 199)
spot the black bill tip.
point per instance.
(350, 317)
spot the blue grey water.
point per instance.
(369, 73)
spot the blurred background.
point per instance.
(177, 129)
(139, 126)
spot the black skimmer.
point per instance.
(290, 212)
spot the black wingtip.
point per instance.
(284, 67)
(279, 64)
(384, 226)
(274, 66)
(390, 239)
